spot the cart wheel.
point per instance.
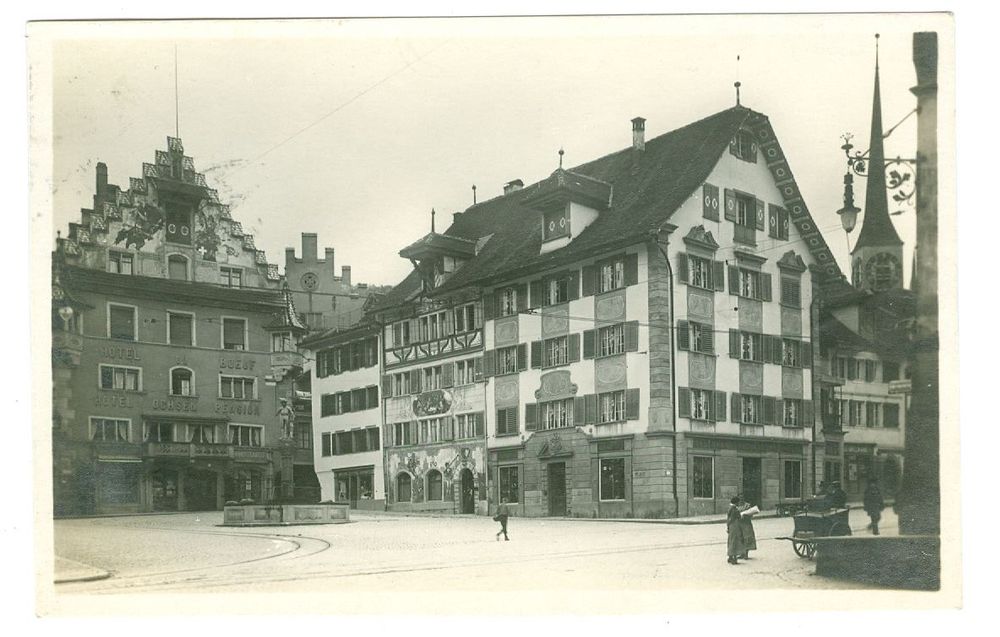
(839, 529)
(811, 549)
(801, 548)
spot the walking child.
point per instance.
(501, 517)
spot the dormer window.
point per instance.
(744, 146)
(556, 224)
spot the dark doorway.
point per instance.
(557, 488)
(751, 487)
(164, 485)
(200, 489)
(468, 485)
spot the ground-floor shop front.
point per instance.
(864, 463)
(712, 469)
(568, 473)
(447, 478)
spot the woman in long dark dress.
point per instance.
(746, 527)
(734, 545)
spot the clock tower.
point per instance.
(877, 257)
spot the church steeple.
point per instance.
(877, 254)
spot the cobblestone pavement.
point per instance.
(189, 552)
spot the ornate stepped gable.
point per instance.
(135, 220)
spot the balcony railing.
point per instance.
(451, 344)
(187, 450)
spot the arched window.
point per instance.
(177, 267)
(403, 493)
(181, 381)
(434, 485)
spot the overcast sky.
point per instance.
(355, 130)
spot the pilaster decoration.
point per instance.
(555, 385)
(701, 305)
(555, 321)
(791, 382)
(701, 370)
(506, 393)
(777, 163)
(610, 373)
(751, 378)
(791, 262)
(698, 237)
(505, 331)
(610, 308)
(751, 315)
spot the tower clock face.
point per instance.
(309, 281)
(882, 272)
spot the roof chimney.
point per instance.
(102, 179)
(512, 186)
(639, 133)
(309, 244)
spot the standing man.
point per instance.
(501, 517)
(734, 545)
(874, 503)
(838, 497)
(746, 528)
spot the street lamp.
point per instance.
(66, 314)
(849, 213)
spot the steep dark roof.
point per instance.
(833, 333)
(340, 335)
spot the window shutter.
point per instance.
(590, 413)
(808, 415)
(760, 214)
(779, 411)
(412, 427)
(759, 352)
(719, 276)
(536, 353)
(765, 286)
(632, 404)
(734, 343)
(719, 414)
(537, 289)
(707, 339)
(730, 212)
(414, 381)
(489, 363)
(589, 279)
(684, 402)
(512, 420)
(531, 416)
(588, 343)
(772, 222)
(522, 357)
(522, 297)
(806, 354)
(682, 267)
(710, 203)
(734, 280)
(579, 410)
(574, 285)
(631, 269)
(632, 336)
(683, 335)
(767, 343)
(573, 347)
(768, 410)
(734, 403)
(477, 368)
(489, 306)
(448, 374)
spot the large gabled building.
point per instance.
(174, 343)
(637, 334)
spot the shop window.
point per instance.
(181, 381)
(121, 378)
(234, 336)
(180, 328)
(403, 490)
(110, 430)
(122, 322)
(508, 485)
(703, 477)
(612, 478)
(434, 485)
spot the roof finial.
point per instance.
(177, 109)
(737, 82)
(473, 194)
(432, 220)
(876, 51)
(561, 153)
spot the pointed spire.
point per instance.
(432, 220)
(876, 227)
